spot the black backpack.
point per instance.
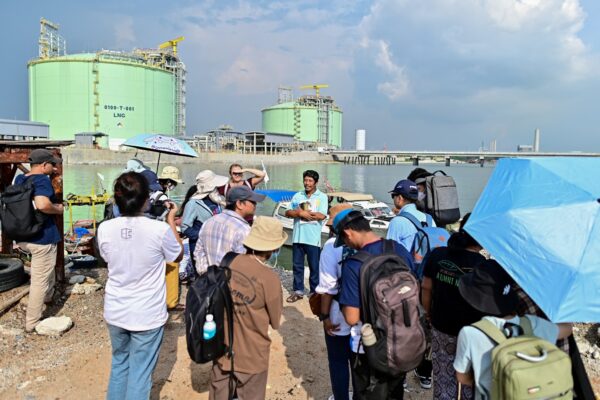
(210, 294)
(20, 220)
(441, 199)
(389, 294)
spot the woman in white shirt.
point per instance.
(136, 249)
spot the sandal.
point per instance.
(294, 298)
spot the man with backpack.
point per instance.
(411, 229)
(42, 246)
(353, 229)
(504, 355)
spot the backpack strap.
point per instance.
(439, 170)
(361, 256)
(525, 323)
(389, 247)
(228, 259)
(412, 219)
(428, 220)
(490, 330)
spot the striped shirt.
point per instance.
(219, 235)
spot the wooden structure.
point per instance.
(13, 155)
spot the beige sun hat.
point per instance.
(170, 172)
(207, 181)
(266, 234)
(335, 210)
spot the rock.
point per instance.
(23, 385)
(40, 378)
(89, 280)
(54, 326)
(584, 347)
(596, 355)
(76, 279)
(575, 329)
(4, 330)
(85, 288)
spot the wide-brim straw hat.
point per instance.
(172, 173)
(335, 210)
(207, 181)
(266, 234)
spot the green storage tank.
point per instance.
(309, 119)
(114, 93)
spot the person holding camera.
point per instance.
(136, 249)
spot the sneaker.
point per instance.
(425, 381)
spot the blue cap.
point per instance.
(407, 189)
(341, 220)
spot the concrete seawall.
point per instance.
(84, 156)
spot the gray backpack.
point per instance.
(390, 302)
(441, 199)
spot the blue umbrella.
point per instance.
(539, 218)
(161, 144)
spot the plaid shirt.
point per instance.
(527, 306)
(219, 235)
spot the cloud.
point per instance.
(124, 32)
(398, 85)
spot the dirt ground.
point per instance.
(77, 364)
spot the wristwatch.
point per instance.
(323, 317)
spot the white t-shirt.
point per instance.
(330, 273)
(136, 250)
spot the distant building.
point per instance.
(524, 148)
(23, 130)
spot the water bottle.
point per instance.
(210, 328)
(368, 336)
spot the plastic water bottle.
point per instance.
(368, 336)
(210, 328)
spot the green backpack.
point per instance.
(527, 367)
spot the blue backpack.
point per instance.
(427, 238)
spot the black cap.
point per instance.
(488, 288)
(40, 156)
(243, 193)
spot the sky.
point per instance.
(417, 75)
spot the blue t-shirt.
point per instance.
(350, 292)
(43, 187)
(308, 232)
(402, 230)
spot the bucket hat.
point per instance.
(40, 156)
(266, 234)
(135, 165)
(488, 288)
(172, 173)
(207, 181)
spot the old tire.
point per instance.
(12, 273)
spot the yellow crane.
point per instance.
(317, 88)
(171, 44)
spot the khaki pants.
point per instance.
(41, 288)
(248, 386)
(172, 281)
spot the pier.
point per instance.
(388, 157)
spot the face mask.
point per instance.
(421, 196)
(273, 258)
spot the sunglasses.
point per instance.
(237, 173)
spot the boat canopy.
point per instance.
(349, 196)
(277, 195)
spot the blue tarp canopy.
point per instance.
(277, 195)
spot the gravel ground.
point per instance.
(76, 364)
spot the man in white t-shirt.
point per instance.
(136, 250)
(488, 288)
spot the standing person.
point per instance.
(353, 230)
(43, 246)
(309, 209)
(446, 309)
(258, 303)
(169, 178)
(204, 203)
(236, 178)
(488, 288)
(226, 232)
(136, 249)
(405, 195)
(337, 331)
(419, 176)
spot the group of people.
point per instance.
(458, 286)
